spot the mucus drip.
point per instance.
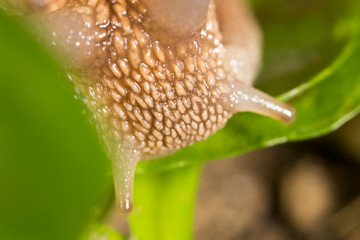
(124, 164)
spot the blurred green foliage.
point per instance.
(53, 170)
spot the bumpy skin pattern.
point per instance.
(161, 93)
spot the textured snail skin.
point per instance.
(157, 86)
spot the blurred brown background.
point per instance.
(304, 190)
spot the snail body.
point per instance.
(155, 85)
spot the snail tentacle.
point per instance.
(244, 98)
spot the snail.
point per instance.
(160, 74)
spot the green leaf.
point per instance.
(53, 170)
(164, 204)
(311, 43)
(103, 232)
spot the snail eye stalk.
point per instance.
(179, 18)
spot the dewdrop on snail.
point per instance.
(161, 74)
